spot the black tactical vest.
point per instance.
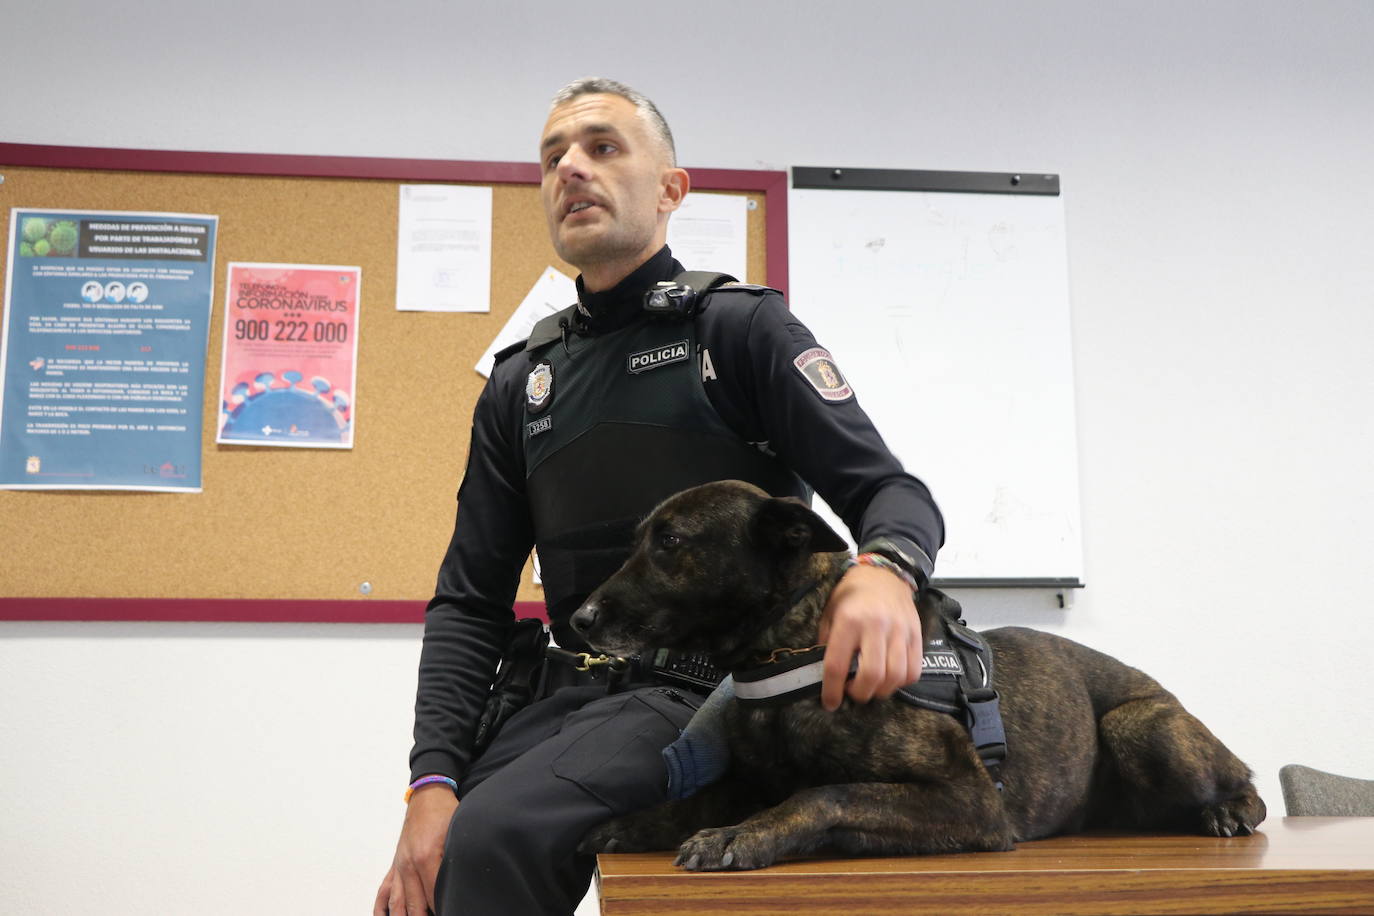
(614, 424)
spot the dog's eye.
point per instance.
(668, 541)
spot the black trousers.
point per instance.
(558, 768)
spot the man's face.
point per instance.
(606, 183)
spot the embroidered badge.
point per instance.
(539, 387)
(941, 661)
(542, 425)
(818, 368)
(666, 355)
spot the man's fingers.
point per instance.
(429, 874)
(872, 672)
(904, 656)
(896, 675)
(835, 669)
(396, 902)
(383, 901)
(916, 651)
(417, 902)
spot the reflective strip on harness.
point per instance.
(796, 674)
(782, 685)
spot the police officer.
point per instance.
(608, 408)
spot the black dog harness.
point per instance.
(956, 679)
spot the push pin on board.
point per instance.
(365, 588)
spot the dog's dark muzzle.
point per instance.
(585, 618)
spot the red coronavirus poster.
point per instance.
(290, 355)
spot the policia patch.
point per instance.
(818, 368)
(653, 358)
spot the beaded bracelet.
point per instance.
(879, 561)
(426, 780)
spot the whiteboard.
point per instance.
(949, 313)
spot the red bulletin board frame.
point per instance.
(773, 185)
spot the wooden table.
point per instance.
(1294, 865)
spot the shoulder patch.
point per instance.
(505, 353)
(818, 368)
(539, 387)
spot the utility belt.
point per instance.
(532, 669)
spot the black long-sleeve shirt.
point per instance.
(749, 346)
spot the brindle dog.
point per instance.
(1091, 742)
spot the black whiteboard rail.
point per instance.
(1064, 587)
(814, 177)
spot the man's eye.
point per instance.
(668, 541)
(552, 162)
(605, 147)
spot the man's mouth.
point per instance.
(579, 206)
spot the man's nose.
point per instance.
(574, 164)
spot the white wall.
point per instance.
(1215, 160)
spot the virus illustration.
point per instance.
(41, 237)
(35, 228)
(272, 409)
(63, 237)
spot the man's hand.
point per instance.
(408, 889)
(870, 612)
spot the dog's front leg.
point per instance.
(861, 819)
(665, 826)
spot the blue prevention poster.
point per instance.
(102, 371)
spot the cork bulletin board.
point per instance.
(300, 534)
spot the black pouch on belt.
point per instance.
(517, 681)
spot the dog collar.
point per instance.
(791, 674)
(788, 675)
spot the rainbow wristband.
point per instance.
(879, 561)
(426, 780)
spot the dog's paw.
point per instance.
(727, 849)
(1237, 816)
(616, 835)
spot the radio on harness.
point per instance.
(693, 669)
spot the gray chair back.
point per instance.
(1314, 793)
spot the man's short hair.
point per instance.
(647, 110)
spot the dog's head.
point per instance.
(711, 568)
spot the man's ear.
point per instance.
(673, 188)
(789, 524)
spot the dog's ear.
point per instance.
(789, 524)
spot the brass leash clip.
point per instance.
(589, 661)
